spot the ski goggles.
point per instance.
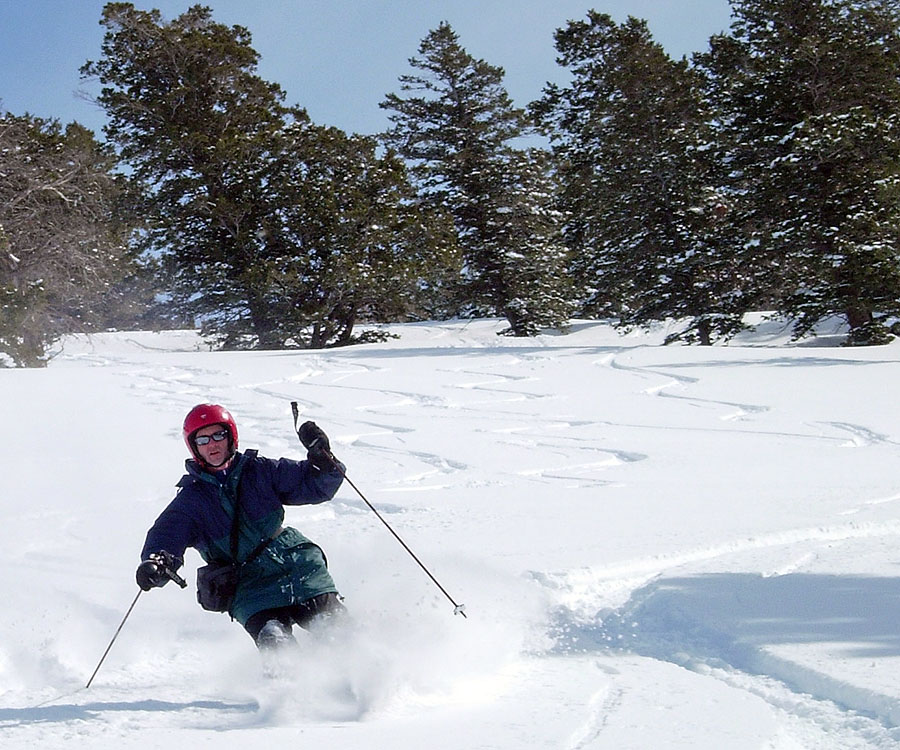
(217, 436)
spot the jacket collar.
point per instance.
(228, 476)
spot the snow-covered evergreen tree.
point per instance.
(276, 231)
(808, 93)
(631, 136)
(457, 126)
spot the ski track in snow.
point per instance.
(600, 706)
(815, 703)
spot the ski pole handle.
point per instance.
(165, 566)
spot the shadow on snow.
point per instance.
(738, 621)
(857, 615)
(10, 717)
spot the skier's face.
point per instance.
(215, 452)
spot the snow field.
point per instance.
(667, 547)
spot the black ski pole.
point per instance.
(170, 574)
(118, 630)
(458, 609)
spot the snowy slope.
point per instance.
(657, 547)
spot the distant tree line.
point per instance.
(763, 173)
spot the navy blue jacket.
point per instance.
(291, 569)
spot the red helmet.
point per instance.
(204, 415)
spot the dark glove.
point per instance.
(316, 443)
(155, 572)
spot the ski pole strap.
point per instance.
(175, 577)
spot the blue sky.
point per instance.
(336, 58)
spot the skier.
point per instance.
(230, 509)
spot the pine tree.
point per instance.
(260, 217)
(456, 124)
(632, 139)
(808, 92)
(348, 240)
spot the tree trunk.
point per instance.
(265, 329)
(858, 316)
(704, 331)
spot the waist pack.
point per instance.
(217, 582)
(216, 586)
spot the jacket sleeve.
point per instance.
(300, 483)
(174, 531)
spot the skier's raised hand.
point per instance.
(316, 443)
